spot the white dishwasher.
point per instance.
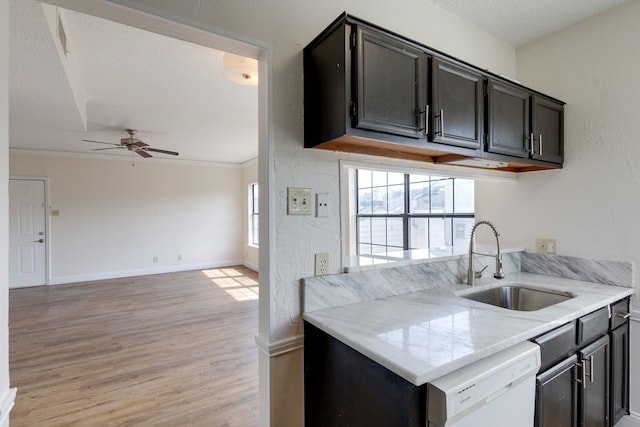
(497, 391)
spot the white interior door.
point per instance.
(27, 247)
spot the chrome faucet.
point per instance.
(472, 274)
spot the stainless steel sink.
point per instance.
(518, 297)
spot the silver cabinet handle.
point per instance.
(590, 374)
(624, 315)
(442, 123)
(533, 148)
(426, 119)
(540, 138)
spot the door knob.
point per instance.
(40, 241)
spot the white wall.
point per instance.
(4, 202)
(115, 218)
(249, 176)
(592, 205)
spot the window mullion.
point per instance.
(406, 234)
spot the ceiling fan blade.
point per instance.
(143, 154)
(157, 150)
(108, 148)
(101, 142)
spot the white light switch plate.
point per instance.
(298, 201)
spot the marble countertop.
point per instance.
(426, 334)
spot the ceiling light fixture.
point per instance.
(240, 69)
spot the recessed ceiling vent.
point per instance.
(62, 35)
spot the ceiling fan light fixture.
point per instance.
(240, 69)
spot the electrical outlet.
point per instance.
(547, 246)
(298, 201)
(322, 205)
(322, 264)
(179, 257)
(155, 259)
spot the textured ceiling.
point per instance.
(172, 92)
(520, 21)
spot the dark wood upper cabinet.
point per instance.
(391, 85)
(548, 130)
(508, 119)
(457, 105)
(371, 91)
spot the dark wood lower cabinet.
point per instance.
(619, 372)
(593, 396)
(557, 396)
(345, 388)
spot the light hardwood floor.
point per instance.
(172, 349)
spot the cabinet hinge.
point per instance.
(354, 38)
(353, 110)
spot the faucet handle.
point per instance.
(478, 274)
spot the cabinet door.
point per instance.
(556, 396)
(594, 392)
(508, 119)
(390, 85)
(548, 130)
(457, 105)
(619, 372)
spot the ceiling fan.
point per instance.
(132, 144)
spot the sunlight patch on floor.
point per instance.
(234, 283)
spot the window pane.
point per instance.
(255, 192)
(462, 230)
(364, 201)
(395, 199)
(414, 177)
(379, 231)
(439, 232)
(364, 249)
(364, 178)
(379, 179)
(254, 217)
(419, 231)
(395, 178)
(441, 195)
(395, 233)
(364, 230)
(464, 196)
(419, 197)
(379, 200)
(255, 232)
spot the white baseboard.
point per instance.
(6, 404)
(631, 420)
(251, 266)
(279, 347)
(59, 280)
(635, 416)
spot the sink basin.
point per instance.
(517, 297)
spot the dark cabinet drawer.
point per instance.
(619, 313)
(556, 344)
(592, 326)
